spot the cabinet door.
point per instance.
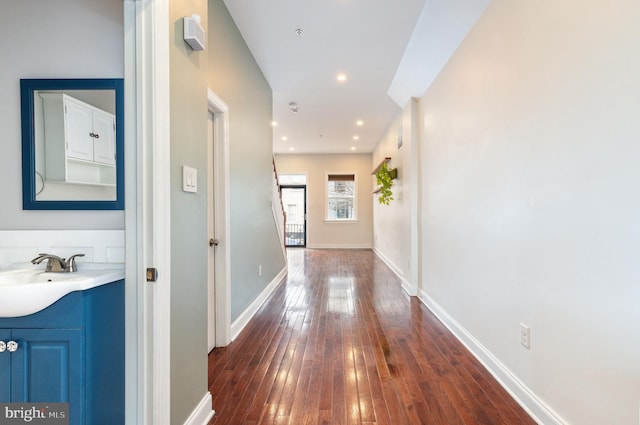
(49, 367)
(78, 129)
(104, 142)
(5, 370)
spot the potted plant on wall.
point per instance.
(384, 178)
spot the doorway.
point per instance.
(211, 230)
(294, 200)
(218, 227)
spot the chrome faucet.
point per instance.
(56, 264)
(71, 267)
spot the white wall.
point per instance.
(44, 39)
(322, 233)
(393, 223)
(530, 210)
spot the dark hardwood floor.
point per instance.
(340, 343)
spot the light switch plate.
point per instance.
(189, 179)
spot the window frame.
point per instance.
(355, 197)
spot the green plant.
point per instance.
(385, 180)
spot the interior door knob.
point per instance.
(213, 242)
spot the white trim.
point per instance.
(203, 412)
(535, 407)
(411, 290)
(341, 220)
(220, 112)
(159, 231)
(136, 399)
(147, 212)
(339, 246)
(326, 196)
(239, 324)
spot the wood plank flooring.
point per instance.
(340, 343)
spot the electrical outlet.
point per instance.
(260, 270)
(525, 336)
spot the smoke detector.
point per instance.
(294, 107)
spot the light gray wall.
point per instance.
(45, 39)
(530, 207)
(237, 79)
(321, 233)
(189, 240)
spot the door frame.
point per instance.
(220, 111)
(147, 213)
(297, 186)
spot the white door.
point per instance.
(211, 320)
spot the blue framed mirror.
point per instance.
(72, 144)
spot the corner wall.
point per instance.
(44, 39)
(189, 237)
(529, 208)
(236, 78)
(395, 224)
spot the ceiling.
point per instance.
(363, 39)
(386, 52)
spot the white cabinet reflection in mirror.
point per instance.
(79, 141)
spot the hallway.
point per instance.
(341, 343)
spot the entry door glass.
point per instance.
(294, 199)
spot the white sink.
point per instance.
(25, 291)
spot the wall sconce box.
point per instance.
(193, 32)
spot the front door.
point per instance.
(294, 199)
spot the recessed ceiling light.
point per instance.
(274, 123)
(292, 149)
(342, 77)
(359, 123)
(356, 137)
(353, 148)
(285, 138)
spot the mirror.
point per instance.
(72, 144)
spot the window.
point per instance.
(341, 197)
(292, 179)
(292, 213)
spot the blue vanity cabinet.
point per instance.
(47, 366)
(72, 351)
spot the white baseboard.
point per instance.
(203, 412)
(238, 325)
(535, 407)
(339, 246)
(411, 290)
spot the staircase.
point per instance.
(278, 209)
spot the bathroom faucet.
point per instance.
(57, 264)
(54, 263)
